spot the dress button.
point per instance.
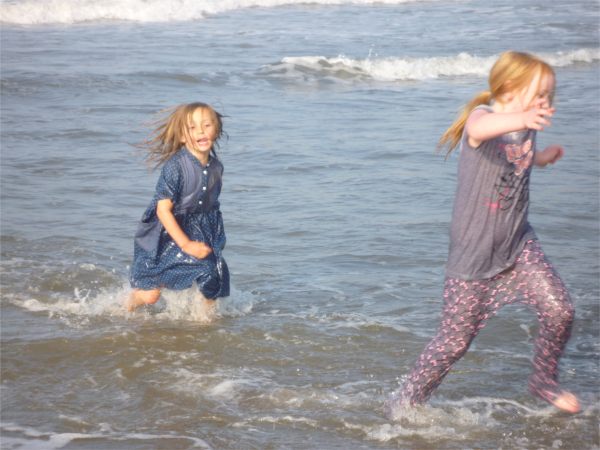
(200, 202)
(203, 188)
(205, 172)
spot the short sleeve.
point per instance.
(478, 111)
(170, 181)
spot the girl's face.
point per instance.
(540, 92)
(200, 133)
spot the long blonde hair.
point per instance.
(169, 130)
(512, 72)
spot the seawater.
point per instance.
(336, 207)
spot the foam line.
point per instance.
(406, 69)
(36, 12)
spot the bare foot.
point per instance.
(565, 401)
(129, 304)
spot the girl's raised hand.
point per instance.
(549, 155)
(197, 249)
(537, 116)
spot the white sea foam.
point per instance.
(387, 432)
(406, 69)
(82, 306)
(287, 419)
(184, 305)
(434, 423)
(448, 420)
(36, 12)
(234, 385)
(31, 438)
(462, 416)
(562, 59)
(223, 385)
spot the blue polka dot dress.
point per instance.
(158, 262)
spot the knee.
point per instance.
(560, 313)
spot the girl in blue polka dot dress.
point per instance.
(180, 238)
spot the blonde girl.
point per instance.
(180, 238)
(494, 257)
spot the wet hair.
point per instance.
(169, 131)
(512, 72)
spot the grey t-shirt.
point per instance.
(489, 221)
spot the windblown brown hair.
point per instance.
(169, 131)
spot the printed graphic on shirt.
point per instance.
(509, 189)
(519, 155)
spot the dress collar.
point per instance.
(196, 160)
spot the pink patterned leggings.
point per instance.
(467, 306)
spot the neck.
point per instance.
(203, 157)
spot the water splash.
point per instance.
(84, 306)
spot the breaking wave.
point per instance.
(37, 12)
(406, 69)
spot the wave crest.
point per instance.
(405, 69)
(37, 12)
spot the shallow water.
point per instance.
(336, 208)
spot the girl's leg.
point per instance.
(209, 287)
(467, 306)
(139, 297)
(538, 284)
(207, 309)
(464, 315)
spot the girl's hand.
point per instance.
(536, 117)
(197, 249)
(549, 155)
